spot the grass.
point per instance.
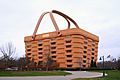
(112, 75)
(33, 73)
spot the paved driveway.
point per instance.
(75, 74)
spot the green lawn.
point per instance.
(112, 75)
(33, 73)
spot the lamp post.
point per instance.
(102, 58)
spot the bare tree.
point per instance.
(118, 64)
(21, 63)
(48, 61)
(8, 51)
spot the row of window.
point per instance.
(67, 46)
(54, 52)
(53, 43)
(92, 50)
(67, 41)
(72, 65)
(69, 56)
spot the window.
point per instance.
(28, 49)
(33, 55)
(29, 53)
(93, 44)
(84, 56)
(85, 51)
(40, 57)
(53, 56)
(85, 47)
(84, 65)
(39, 40)
(69, 65)
(93, 49)
(54, 60)
(69, 55)
(53, 47)
(40, 53)
(40, 63)
(84, 61)
(92, 58)
(68, 46)
(68, 51)
(85, 42)
(39, 44)
(69, 41)
(86, 38)
(93, 41)
(52, 43)
(92, 53)
(69, 60)
(39, 48)
(53, 52)
(29, 57)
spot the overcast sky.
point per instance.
(101, 17)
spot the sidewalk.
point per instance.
(83, 74)
(75, 74)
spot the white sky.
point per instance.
(101, 17)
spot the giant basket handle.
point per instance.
(53, 21)
(67, 17)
